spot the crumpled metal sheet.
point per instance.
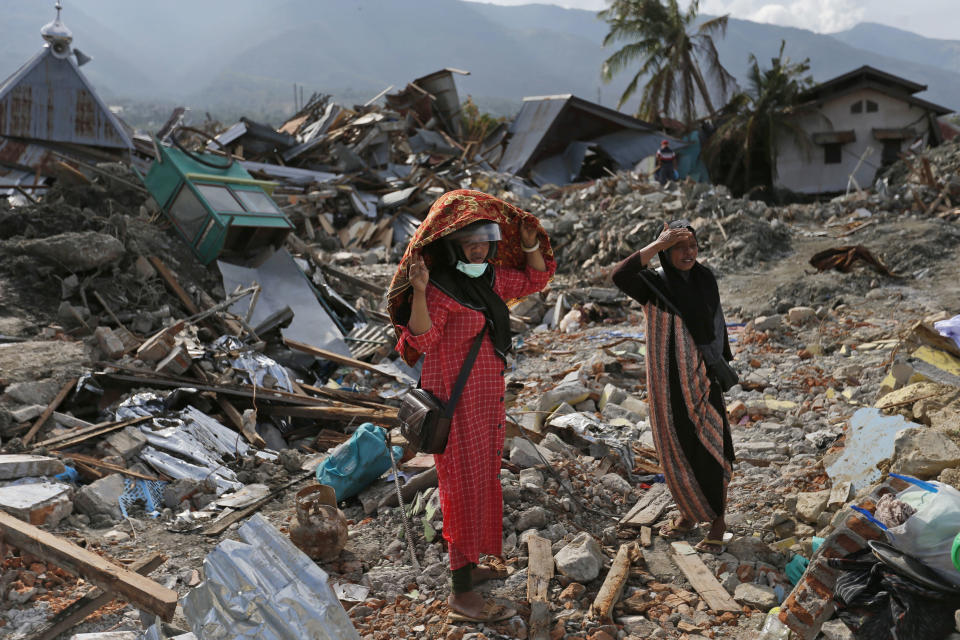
(256, 365)
(843, 259)
(262, 587)
(224, 479)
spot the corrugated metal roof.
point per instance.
(528, 130)
(48, 98)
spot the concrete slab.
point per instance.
(40, 503)
(17, 465)
(870, 439)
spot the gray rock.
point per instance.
(17, 465)
(125, 444)
(40, 392)
(811, 504)
(74, 251)
(25, 414)
(531, 480)
(615, 482)
(581, 559)
(801, 315)
(924, 453)
(758, 596)
(109, 343)
(101, 498)
(524, 453)
(532, 518)
(611, 393)
(552, 442)
(767, 323)
(752, 549)
(836, 630)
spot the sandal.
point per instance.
(711, 546)
(673, 530)
(491, 612)
(493, 568)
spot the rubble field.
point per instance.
(211, 425)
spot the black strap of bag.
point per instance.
(464, 375)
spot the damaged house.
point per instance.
(48, 108)
(563, 139)
(856, 123)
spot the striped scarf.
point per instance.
(664, 328)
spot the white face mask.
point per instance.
(471, 269)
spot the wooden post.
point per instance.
(96, 598)
(539, 573)
(136, 589)
(612, 586)
(61, 396)
(702, 580)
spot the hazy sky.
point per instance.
(931, 18)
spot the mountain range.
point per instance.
(247, 55)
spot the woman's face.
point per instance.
(683, 255)
(475, 251)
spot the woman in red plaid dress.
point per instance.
(452, 302)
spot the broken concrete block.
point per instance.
(14, 466)
(572, 393)
(176, 362)
(157, 347)
(125, 444)
(616, 483)
(40, 392)
(40, 503)
(923, 453)
(101, 497)
(25, 414)
(75, 251)
(552, 442)
(532, 518)
(758, 596)
(611, 393)
(767, 323)
(913, 393)
(811, 504)
(636, 405)
(801, 315)
(143, 269)
(524, 453)
(581, 559)
(109, 344)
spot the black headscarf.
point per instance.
(694, 293)
(477, 294)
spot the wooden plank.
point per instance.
(94, 462)
(345, 361)
(652, 494)
(136, 589)
(95, 599)
(646, 536)
(60, 397)
(350, 279)
(539, 573)
(539, 567)
(612, 587)
(174, 285)
(702, 579)
(69, 439)
(334, 413)
(236, 419)
(221, 525)
(651, 512)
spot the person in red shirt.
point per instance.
(452, 301)
(666, 163)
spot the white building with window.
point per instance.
(856, 124)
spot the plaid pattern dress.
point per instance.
(468, 470)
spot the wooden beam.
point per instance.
(174, 285)
(344, 361)
(612, 587)
(69, 439)
(94, 462)
(349, 279)
(61, 396)
(649, 507)
(136, 589)
(221, 525)
(539, 573)
(702, 579)
(236, 419)
(334, 413)
(96, 598)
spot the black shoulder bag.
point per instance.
(424, 420)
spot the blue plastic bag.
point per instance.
(357, 462)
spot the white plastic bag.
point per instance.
(949, 328)
(928, 534)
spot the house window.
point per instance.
(891, 152)
(832, 153)
(857, 107)
(872, 106)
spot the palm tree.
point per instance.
(758, 120)
(670, 50)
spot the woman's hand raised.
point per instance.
(418, 274)
(669, 237)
